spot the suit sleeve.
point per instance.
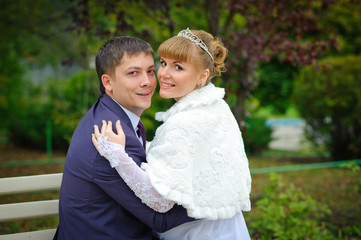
(109, 180)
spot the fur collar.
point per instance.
(208, 95)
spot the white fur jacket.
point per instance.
(197, 157)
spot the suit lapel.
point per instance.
(131, 149)
(116, 109)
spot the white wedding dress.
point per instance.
(233, 228)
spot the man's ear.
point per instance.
(204, 77)
(107, 83)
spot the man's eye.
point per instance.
(151, 72)
(132, 73)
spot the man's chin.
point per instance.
(146, 106)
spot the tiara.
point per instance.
(190, 36)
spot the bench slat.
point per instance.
(38, 235)
(30, 183)
(25, 210)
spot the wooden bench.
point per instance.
(26, 210)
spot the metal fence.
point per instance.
(287, 168)
(50, 160)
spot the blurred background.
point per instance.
(292, 82)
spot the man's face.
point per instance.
(134, 82)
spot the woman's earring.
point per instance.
(200, 87)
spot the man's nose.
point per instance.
(146, 80)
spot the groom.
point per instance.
(94, 202)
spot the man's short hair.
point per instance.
(109, 55)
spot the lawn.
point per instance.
(338, 188)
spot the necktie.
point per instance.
(141, 132)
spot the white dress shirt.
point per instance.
(134, 119)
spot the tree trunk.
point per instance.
(213, 16)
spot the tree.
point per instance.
(344, 19)
(330, 102)
(254, 31)
(287, 30)
(33, 35)
(275, 85)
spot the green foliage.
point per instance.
(11, 84)
(35, 36)
(330, 101)
(257, 135)
(104, 19)
(71, 99)
(71, 31)
(26, 125)
(38, 32)
(275, 85)
(63, 101)
(355, 168)
(344, 19)
(288, 213)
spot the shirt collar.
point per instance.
(134, 119)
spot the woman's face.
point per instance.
(177, 79)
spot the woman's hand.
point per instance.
(107, 131)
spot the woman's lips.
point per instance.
(166, 85)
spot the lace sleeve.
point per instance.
(133, 176)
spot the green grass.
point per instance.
(339, 188)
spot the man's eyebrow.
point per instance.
(139, 68)
(134, 68)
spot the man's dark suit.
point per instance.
(95, 203)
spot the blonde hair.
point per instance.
(184, 50)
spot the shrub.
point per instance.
(330, 101)
(26, 124)
(257, 135)
(71, 99)
(62, 101)
(275, 85)
(288, 213)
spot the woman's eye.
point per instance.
(178, 67)
(163, 64)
